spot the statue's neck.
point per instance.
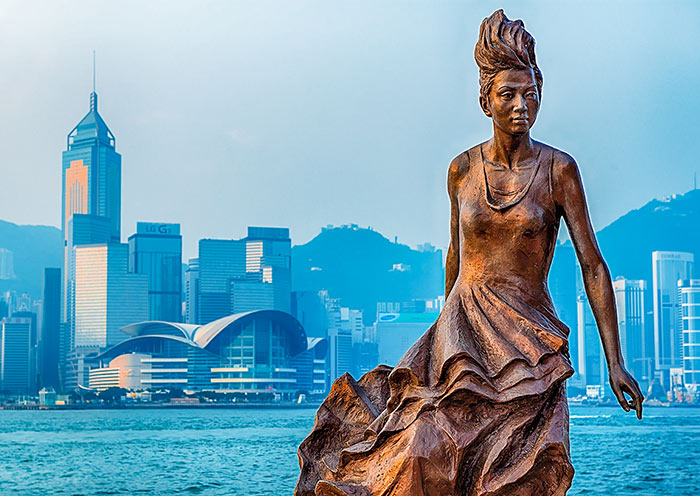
(509, 149)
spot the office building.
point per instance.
(234, 276)
(156, 250)
(400, 325)
(689, 296)
(107, 297)
(221, 261)
(268, 260)
(667, 269)
(48, 354)
(91, 183)
(16, 355)
(636, 345)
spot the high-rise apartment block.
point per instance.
(156, 250)
(668, 268)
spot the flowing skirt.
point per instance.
(476, 407)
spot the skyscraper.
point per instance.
(91, 182)
(268, 261)
(49, 338)
(689, 295)
(220, 262)
(156, 250)
(192, 291)
(107, 297)
(15, 355)
(668, 267)
(637, 346)
(233, 276)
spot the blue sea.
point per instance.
(253, 452)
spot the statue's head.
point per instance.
(510, 81)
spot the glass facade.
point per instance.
(15, 355)
(156, 250)
(106, 296)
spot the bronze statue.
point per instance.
(478, 405)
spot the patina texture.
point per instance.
(477, 406)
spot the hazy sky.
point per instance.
(302, 114)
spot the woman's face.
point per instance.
(513, 101)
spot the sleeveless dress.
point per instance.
(477, 406)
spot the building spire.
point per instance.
(93, 95)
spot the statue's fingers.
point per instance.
(620, 397)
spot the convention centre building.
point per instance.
(252, 352)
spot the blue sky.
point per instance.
(303, 114)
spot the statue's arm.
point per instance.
(454, 176)
(571, 202)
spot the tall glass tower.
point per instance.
(91, 183)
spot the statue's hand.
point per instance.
(622, 382)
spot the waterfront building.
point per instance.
(592, 367)
(33, 319)
(689, 296)
(107, 297)
(397, 330)
(16, 355)
(192, 291)
(128, 371)
(156, 250)
(48, 354)
(7, 267)
(91, 176)
(636, 344)
(668, 268)
(255, 352)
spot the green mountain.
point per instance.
(362, 267)
(33, 247)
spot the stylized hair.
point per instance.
(504, 44)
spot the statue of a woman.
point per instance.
(477, 406)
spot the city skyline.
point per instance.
(347, 145)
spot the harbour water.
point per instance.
(253, 452)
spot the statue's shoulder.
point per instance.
(561, 161)
(460, 164)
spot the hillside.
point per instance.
(663, 225)
(34, 248)
(362, 267)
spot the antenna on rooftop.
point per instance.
(93, 71)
